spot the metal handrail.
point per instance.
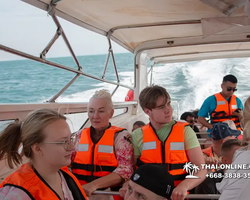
(191, 196)
(38, 59)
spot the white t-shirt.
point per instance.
(236, 188)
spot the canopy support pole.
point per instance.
(38, 59)
(64, 88)
(110, 52)
(151, 74)
(52, 41)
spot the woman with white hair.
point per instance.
(237, 184)
(104, 157)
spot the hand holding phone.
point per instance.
(238, 110)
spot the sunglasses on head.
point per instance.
(230, 89)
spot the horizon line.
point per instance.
(22, 58)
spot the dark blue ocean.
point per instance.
(25, 81)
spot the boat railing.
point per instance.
(59, 32)
(75, 112)
(189, 196)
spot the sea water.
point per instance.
(25, 81)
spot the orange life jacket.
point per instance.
(224, 110)
(209, 152)
(95, 160)
(31, 182)
(171, 152)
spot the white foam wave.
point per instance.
(203, 79)
(200, 80)
(119, 96)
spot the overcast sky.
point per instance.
(29, 29)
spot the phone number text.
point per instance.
(228, 175)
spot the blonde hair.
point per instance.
(103, 94)
(26, 133)
(246, 120)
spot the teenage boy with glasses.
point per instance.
(222, 106)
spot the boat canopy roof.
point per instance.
(167, 30)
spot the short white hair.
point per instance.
(103, 94)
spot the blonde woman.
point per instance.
(237, 187)
(48, 143)
(104, 157)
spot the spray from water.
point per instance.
(188, 83)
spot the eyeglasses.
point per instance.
(230, 89)
(67, 144)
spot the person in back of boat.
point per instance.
(150, 182)
(138, 124)
(48, 143)
(165, 141)
(238, 187)
(222, 106)
(220, 133)
(196, 121)
(228, 148)
(104, 157)
(189, 117)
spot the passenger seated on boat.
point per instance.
(222, 106)
(238, 188)
(220, 133)
(189, 117)
(48, 143)
(179, 140)
(152, 182)
(104, 157)
(138, 124)
(208, 186)
(196, 121)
